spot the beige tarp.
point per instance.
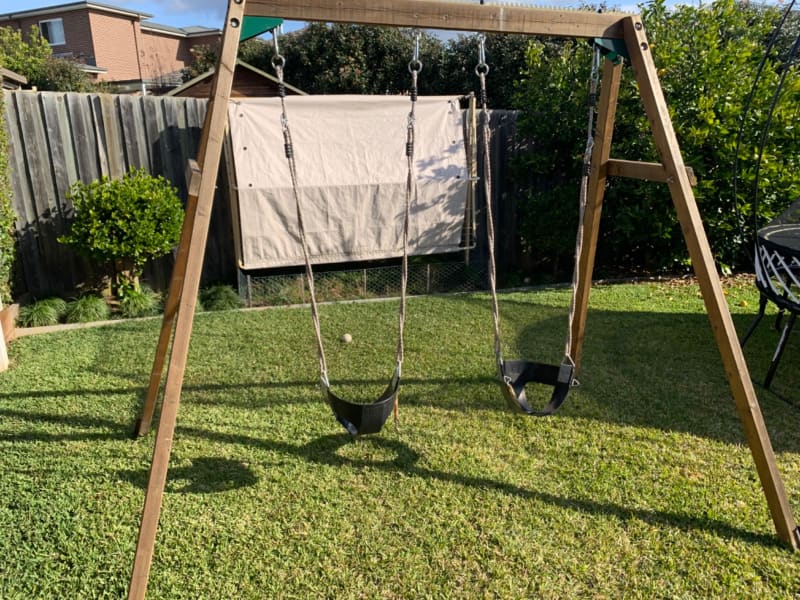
(352, 171)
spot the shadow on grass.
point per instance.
(403, 459)
(207, 475)
(657, 370)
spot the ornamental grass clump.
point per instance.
(87, 309)
(219, 297)
(42, 313)
(142, 303)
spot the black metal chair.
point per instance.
(777, 266)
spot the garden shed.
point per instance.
(248, 82)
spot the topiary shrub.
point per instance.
(124, 223)
(87, 309)
(219, 297)
(42, 313)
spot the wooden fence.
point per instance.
(59, 138)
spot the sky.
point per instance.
(211, 13)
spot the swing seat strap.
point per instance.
(516, 374)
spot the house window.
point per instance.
(53, 31)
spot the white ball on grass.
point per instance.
(347, 338)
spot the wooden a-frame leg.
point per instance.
(209, 157)
(144, 421)
(609, 93)
(703, 262)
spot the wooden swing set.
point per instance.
(621, 30)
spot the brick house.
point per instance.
(114, 44)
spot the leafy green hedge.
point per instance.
(7, 216)
(706, 58)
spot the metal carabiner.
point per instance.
(278, 61)
(415, 64)
(481, 68)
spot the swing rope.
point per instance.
(481, 70)
(358, 419)
(278, 63)
(515, 374)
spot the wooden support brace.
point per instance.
(646, 171)
(193, 176)
(722, 326)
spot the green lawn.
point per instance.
(641, 487)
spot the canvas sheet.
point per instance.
(350, 153)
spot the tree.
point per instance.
(505, 56)
(125, 222)
(62, 75)
(34, 59)
(358, 59)
(26, 58)
(205, 58)
(355, 59)
(706, 58)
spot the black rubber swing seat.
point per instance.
(516, 374)
(363, 419)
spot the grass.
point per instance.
(640, 487)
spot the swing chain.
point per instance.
(278, 63)
(415, 64)
(482, 70)
(594, 82)
(414, 67)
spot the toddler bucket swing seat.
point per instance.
(515, 375)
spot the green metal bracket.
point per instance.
(255, 26)
(614, 50)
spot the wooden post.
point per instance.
(609, 93)
(209, 156)
(705, 269)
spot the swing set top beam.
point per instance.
(439, 14)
